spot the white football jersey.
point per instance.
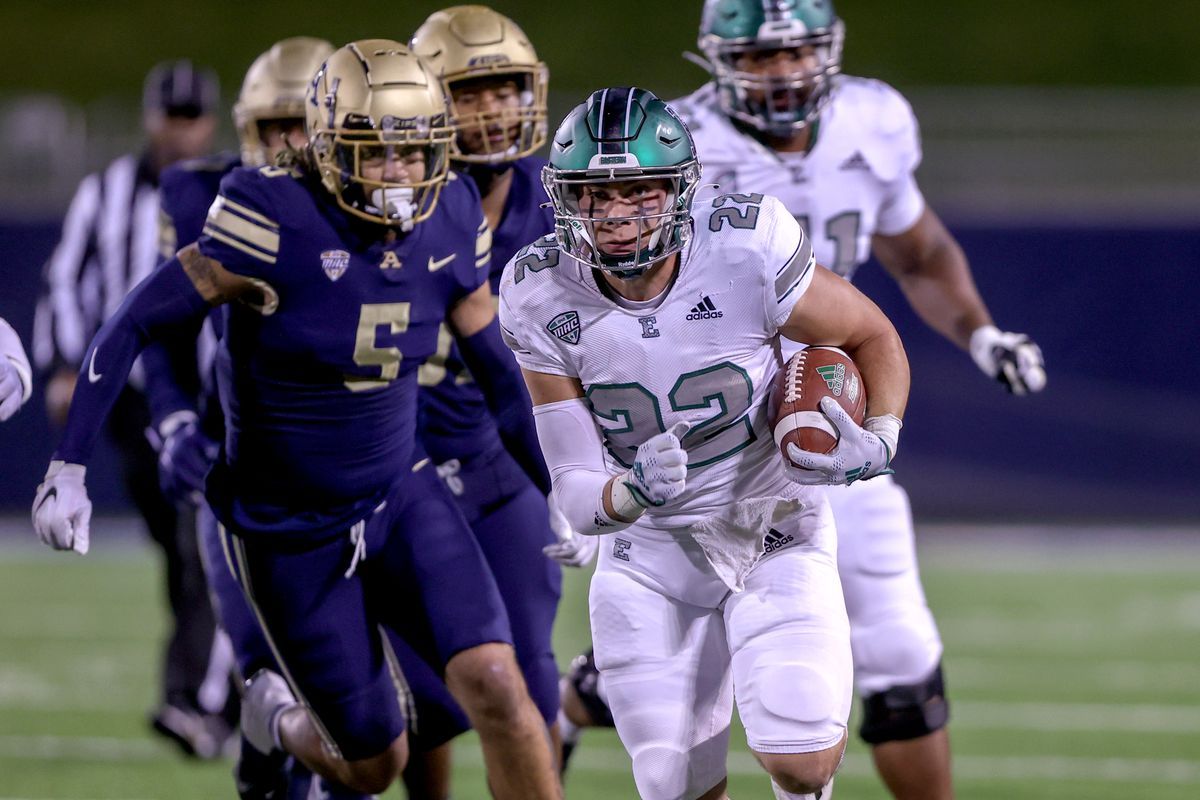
(702, 352)
(856, 181)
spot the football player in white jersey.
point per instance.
(648, 332)
(840, 153)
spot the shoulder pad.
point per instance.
(272, 171)
(458, 204)
(540, 254)
(217, 162)
(884, 120)
(741, 224)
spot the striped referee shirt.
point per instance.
(109, 244)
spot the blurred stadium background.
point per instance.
(1060, 534)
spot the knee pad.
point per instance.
(900, 650)
(906, 712)
(585, 680)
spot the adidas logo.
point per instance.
(705, 309)
(774, 540)
(856, 161)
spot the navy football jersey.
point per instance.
(318, 378)
(455, 422)
(186, 190)
(179, 369)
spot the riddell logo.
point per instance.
(774, 540)
(705, 309)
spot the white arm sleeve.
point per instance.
(574, 454)
(10, 348)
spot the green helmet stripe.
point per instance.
(622, 134)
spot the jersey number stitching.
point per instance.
(725, 387)
(842, 230)
(743, 218)
(367, 353)
(534, 263)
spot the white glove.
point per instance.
(571, 549)
(861, 452)
(61, 509)
(658, 474)
(12, 390)
(1011, 358)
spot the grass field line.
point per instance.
(1106, 674)
(82, 748)
(1127, 718)
(594, 758)
(971, 714)
(970, 768)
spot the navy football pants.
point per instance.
(334, 636)
(512, 524)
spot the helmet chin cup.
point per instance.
(396, 204)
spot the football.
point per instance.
(808, 376)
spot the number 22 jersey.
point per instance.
(702, 352)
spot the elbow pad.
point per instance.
(574, 453)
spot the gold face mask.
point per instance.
(379, 132)
(496, 83)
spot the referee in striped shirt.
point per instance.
(110, 243)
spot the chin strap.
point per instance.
(396, 204)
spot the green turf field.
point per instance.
(1074, 668)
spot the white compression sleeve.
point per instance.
(574, 454)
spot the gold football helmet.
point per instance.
(467, 44)
(379, 132)
(273, 90)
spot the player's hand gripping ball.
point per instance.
(808, 376)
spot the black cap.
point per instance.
(181, 89)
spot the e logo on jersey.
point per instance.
(335, 262)
(565, 326)
(621, 548)
(389, 261)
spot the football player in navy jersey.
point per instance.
(498, 88)
(342, 270)
(269, 118)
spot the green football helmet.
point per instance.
(617, 137)
(777, 104)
